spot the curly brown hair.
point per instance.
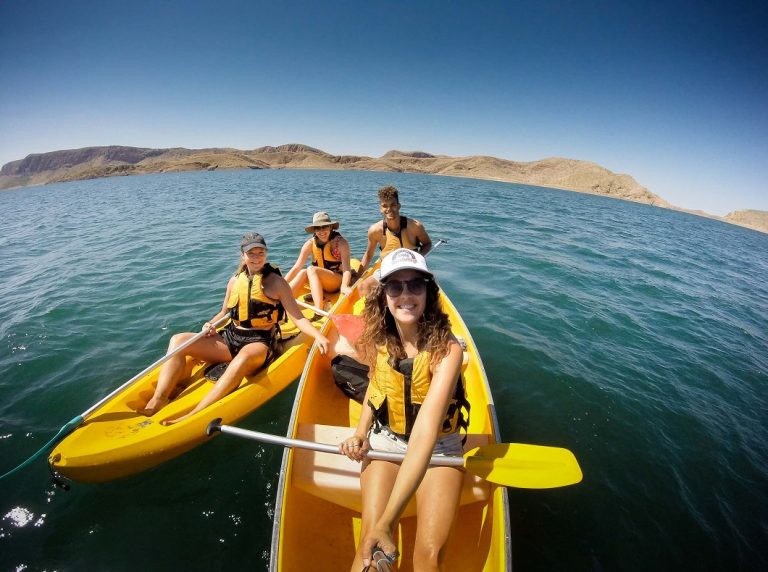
(387, 193)
(434, 328)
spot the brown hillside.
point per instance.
(757, 220)
(555, 172)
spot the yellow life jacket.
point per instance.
(396, 397)
(399, 239)
(248, 305)
(323, 257)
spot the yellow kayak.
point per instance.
(115, 441)
(317, 514)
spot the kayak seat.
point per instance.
(336, 479)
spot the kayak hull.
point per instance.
(318, 502)
(115, 441)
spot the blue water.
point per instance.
(637, 337)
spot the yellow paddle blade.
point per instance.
(524, 466)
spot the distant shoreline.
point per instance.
(555, 172)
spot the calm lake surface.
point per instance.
(637, 337)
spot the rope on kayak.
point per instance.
(63, 432)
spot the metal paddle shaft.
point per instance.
(152, 366)
(216, 426)
(434, 246)
(311, 307)
(507, 464)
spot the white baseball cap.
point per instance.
(402, 259)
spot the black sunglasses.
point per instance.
(395, 287)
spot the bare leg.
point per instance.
(376, 482)
(250, 358)
(437, 499)
(321, 280)
(298, 281)
(211, 349)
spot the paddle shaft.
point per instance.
(434, 246)
(311, 307)
(152, 366)
(507, 464)
(214, 426)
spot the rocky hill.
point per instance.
(93, 162)
(757, 220)
(568, 174)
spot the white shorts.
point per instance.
(385, 440)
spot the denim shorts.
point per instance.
(385, 440)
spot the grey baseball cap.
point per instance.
(252, 240)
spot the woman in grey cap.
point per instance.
(255, 296)
(330, 270)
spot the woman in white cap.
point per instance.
(255, 298)
(330, 270)
(415, 405)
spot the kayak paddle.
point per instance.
(507, 464)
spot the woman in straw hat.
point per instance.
(330, 270)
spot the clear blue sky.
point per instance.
(674, 93)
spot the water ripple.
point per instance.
(632, 335)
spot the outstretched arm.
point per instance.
(420, 446)
(208, 327)
(279, 289)
(346, 266)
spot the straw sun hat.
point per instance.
(321, 218)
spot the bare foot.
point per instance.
(167, 422)
(154, 405)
